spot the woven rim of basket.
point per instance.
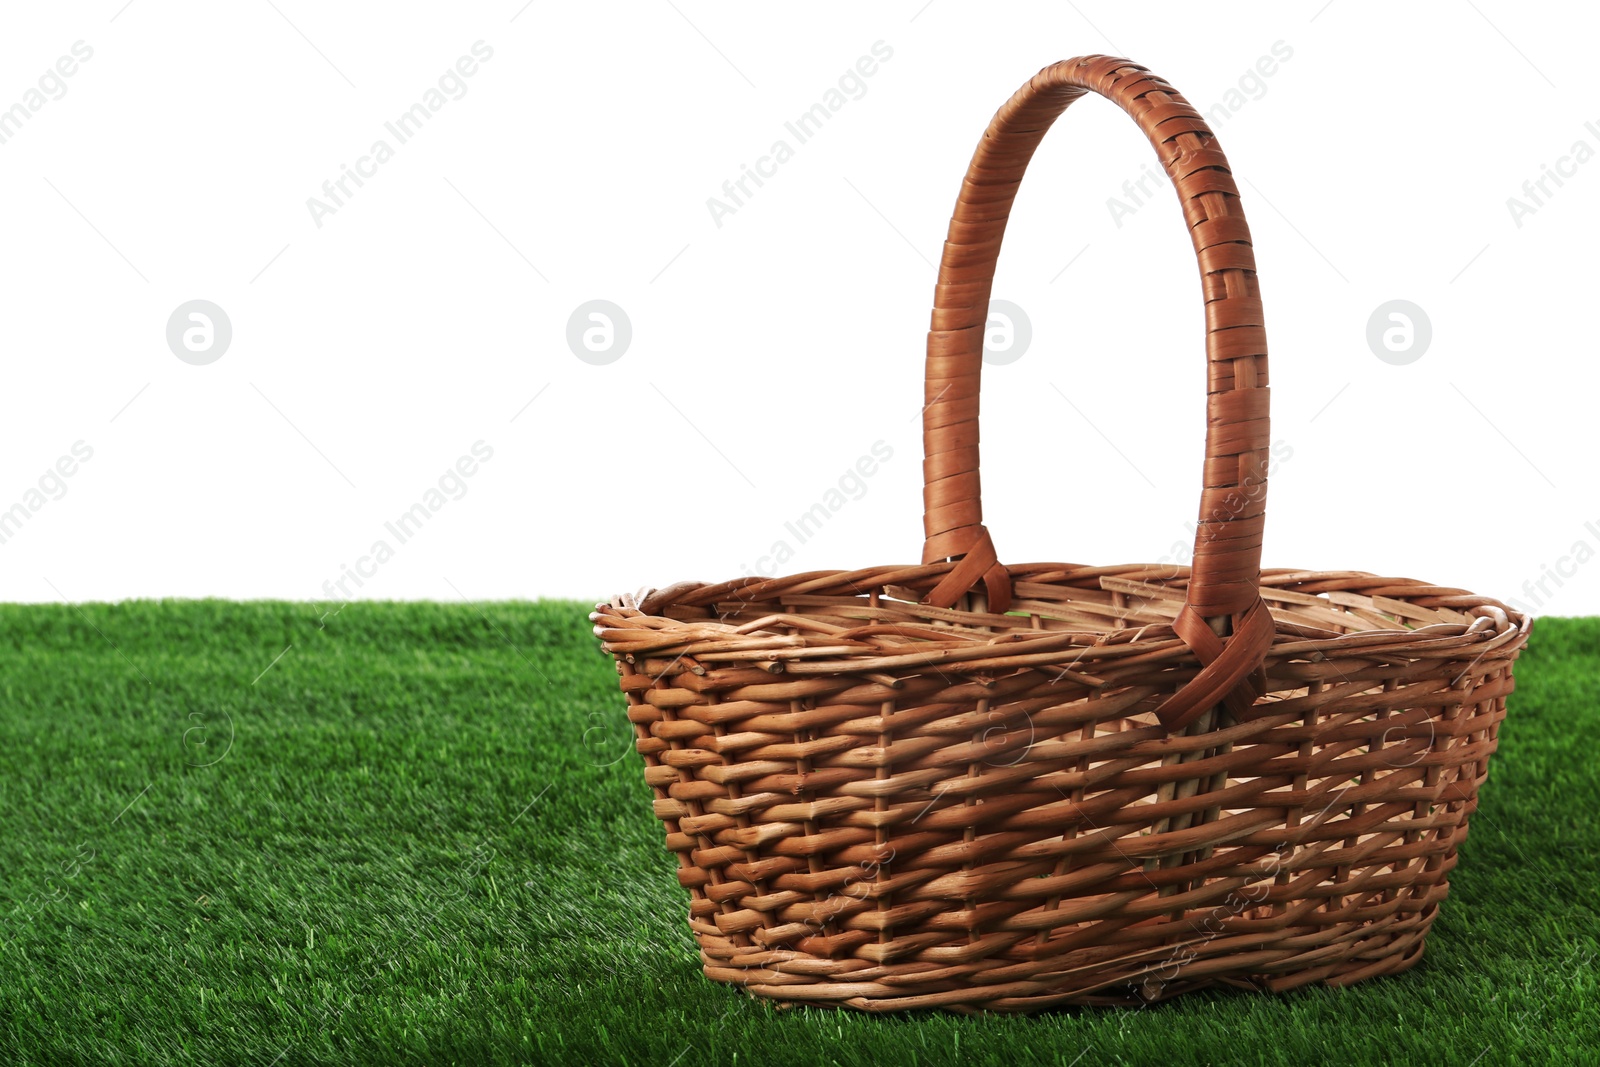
(899, 635)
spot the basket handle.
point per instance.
(1223, 620)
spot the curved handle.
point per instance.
(1223, 619)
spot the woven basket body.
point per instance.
(973, 786)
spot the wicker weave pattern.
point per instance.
(971, 786)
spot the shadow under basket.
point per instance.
(979, 787)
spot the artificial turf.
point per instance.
(416, 833)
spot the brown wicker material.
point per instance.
(972, 786)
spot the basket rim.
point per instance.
(964, 641)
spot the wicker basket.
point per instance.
(971, 786)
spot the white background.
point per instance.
(771, 352)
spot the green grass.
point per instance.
(429, 843)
